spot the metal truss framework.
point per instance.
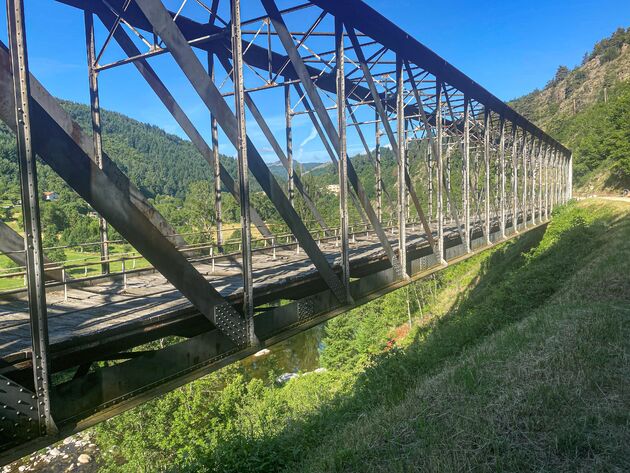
(469, 170)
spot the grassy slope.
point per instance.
(548, 393)
(517, 360)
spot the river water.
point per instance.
(299, 353)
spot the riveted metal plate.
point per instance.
(305, 308)
(231, 323)
(18, 413)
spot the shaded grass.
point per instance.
(518, 361)
(548, 393)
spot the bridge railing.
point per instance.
(88, 269)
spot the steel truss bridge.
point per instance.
(482, 174)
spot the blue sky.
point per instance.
(509, 47)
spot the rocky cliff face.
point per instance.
(572, 91)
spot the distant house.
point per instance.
(51, 196)
(334, 188)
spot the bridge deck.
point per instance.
(97, 313)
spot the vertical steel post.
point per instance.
(406, 151)
(562, 177)
(289, 135)
(559, 175)
(535, 174)
(243, 172)
(546, 190)
(379, 178)
(466, 176)
(402, 165)
(342, 153)
(543, 182)
(570, 177)
(562, 170)
(30, 212)
(524, 158)
(567, 170)
(554, 181)
(216, 164)
(440, 172)
(486, 157)
(95, 110)
(514, 179)
(430, 173)
(502, 195)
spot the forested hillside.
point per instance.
(172, 174)
(168, 170)
(588, 109)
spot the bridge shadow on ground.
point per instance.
(516, 279)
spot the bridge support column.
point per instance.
(95, 111)
(343, 155)
(553, 200)
(502, 196)
(570, 172)
(402, 165)
(243, 169)
(216, 163)
(377, 157)
(440, 172)
(289, 136)
(515, 159)
(430, 174)
(31, 215)
(541, 172)
(486, 156)
(524, 157)
(466, 176)
(559, 177)
(546, 189)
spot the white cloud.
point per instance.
(307, 140)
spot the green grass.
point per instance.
(518, 360)
(529, 372)
(76, 257)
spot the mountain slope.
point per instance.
(586, 108)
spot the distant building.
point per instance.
(51, 196)
(334, 188)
